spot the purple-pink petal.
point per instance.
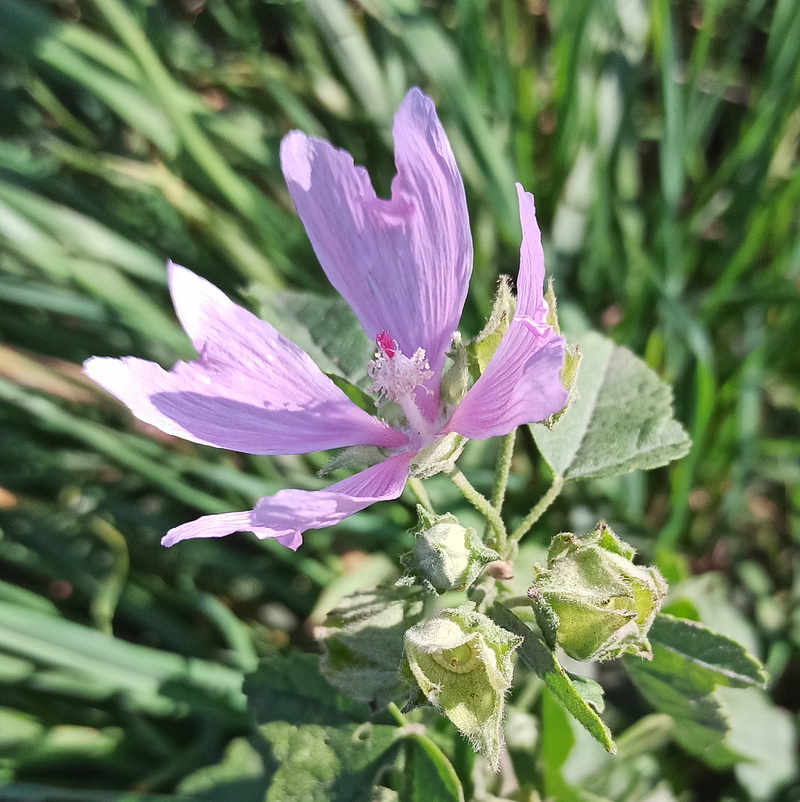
(522, 382)
(251, 390)
(289, 513)
(530, 279)
(402, 264)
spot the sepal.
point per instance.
(438, 457)
(455, 379)
(354, 457)
(446, 555)
(482, 348)
(572, 358)
(460, 663)
(592, 600)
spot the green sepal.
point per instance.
(572, 358)
(460, 663)
(592, 600)
(354, 457)
(482, 348)
(446, 555)
(546, 618)
(438, 457)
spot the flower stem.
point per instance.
(503, 469)
(397, 714)
(482, 505)
(418, 489)
(516, 601)
(544, 502)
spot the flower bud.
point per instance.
(447, 555)
(460, 663)
(455, 379)
(592, 600)
(362, 641)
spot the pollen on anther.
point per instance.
(386, 344)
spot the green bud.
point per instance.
(455, 379)
(447, 555)
(460, 663)
(438, 457)
(592, 600)
(482, 348)
(362, 642)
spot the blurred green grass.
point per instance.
(661, 141)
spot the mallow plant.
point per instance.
(452, 634)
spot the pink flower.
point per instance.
(403, 265)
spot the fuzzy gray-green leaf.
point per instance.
(622, 419)
(716, 655)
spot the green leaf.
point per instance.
(591, 692)
(37, 36)
(82, 660)
(34, 792)
(720, 657)
(621, 420)
(700, 723)
(324, 327)
(561, 746)
(689, 663)
(362, 639)
(81, 234)
(557, 741)
(535, 653)
(240, 775)
(17, 729)
(292, 689)
(311, 763)
(429, 775)
(765, 736)
(318, 745)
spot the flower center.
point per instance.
(397, 377)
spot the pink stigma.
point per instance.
(387, 345)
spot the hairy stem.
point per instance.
(482, 505)
(503, 469)
(544, 502)
(516, 601)
(397, 714)
(418, 489)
